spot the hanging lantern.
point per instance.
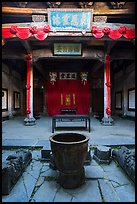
(84, 76)
(53, 76)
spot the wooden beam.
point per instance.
(86, 54)
(133, 41)
(109, 45)
(41, 24)
(39, 68)
(6, 54)
(15, 10)
(27, 46)
(127, 54)
(97, 66)
(25, 25)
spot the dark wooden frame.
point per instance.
(6, 91)
(67, 55)
(16, 93)
(130, 109)
(70, 118)
(120, 93)
(68, 111)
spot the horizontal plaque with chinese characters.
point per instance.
(68, 75)
(67, 48)
(70, 19)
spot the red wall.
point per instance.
(67, 94)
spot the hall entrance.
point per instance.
(69, 91)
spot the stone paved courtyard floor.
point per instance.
(38, 183)
(103, 183)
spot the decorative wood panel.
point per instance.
(4, 99)
(118, 100)
(131, 99)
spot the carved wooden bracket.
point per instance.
(38, 18)
(117, 5)
(21, 4)
(85, 4)
(102, 19)
(53, 4)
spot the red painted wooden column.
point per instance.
(108, 85)
(107, 120)
(28, 86)
(29, 120)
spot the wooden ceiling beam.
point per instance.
(105, 11)
(99, 25)
(125, 54)
(13, 55)
(27, 46)
(86, 54)
(39, 68)
(97, 65)
(109, 45)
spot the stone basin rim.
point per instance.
(51, 138)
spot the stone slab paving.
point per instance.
(125, 193)
(19, 142)
(118, 177)
(109, 194)
(43, 143)
(88, 193)
(113, 141)
(122, 130)
(38, 183)
(94, 172)
(40, 143)
(17, 194)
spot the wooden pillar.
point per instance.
(44, 101)
(10, 98)
(107, 120)
(29, 120)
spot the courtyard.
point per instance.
(38, 183)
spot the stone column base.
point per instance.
(107, 121)
(29, 121)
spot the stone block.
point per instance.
(13, 168)
(126, 159)
(102, 154)
(52, 164)
(45, 152)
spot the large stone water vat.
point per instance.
(70, 151)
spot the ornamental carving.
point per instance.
(68, 75)
(38, 18)
(53, 4)
(102, 19)
(53, 77)
(126, 159)
(117, 5)
(3, 41)
(21, 4)
(85, 4)
(84, 76)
